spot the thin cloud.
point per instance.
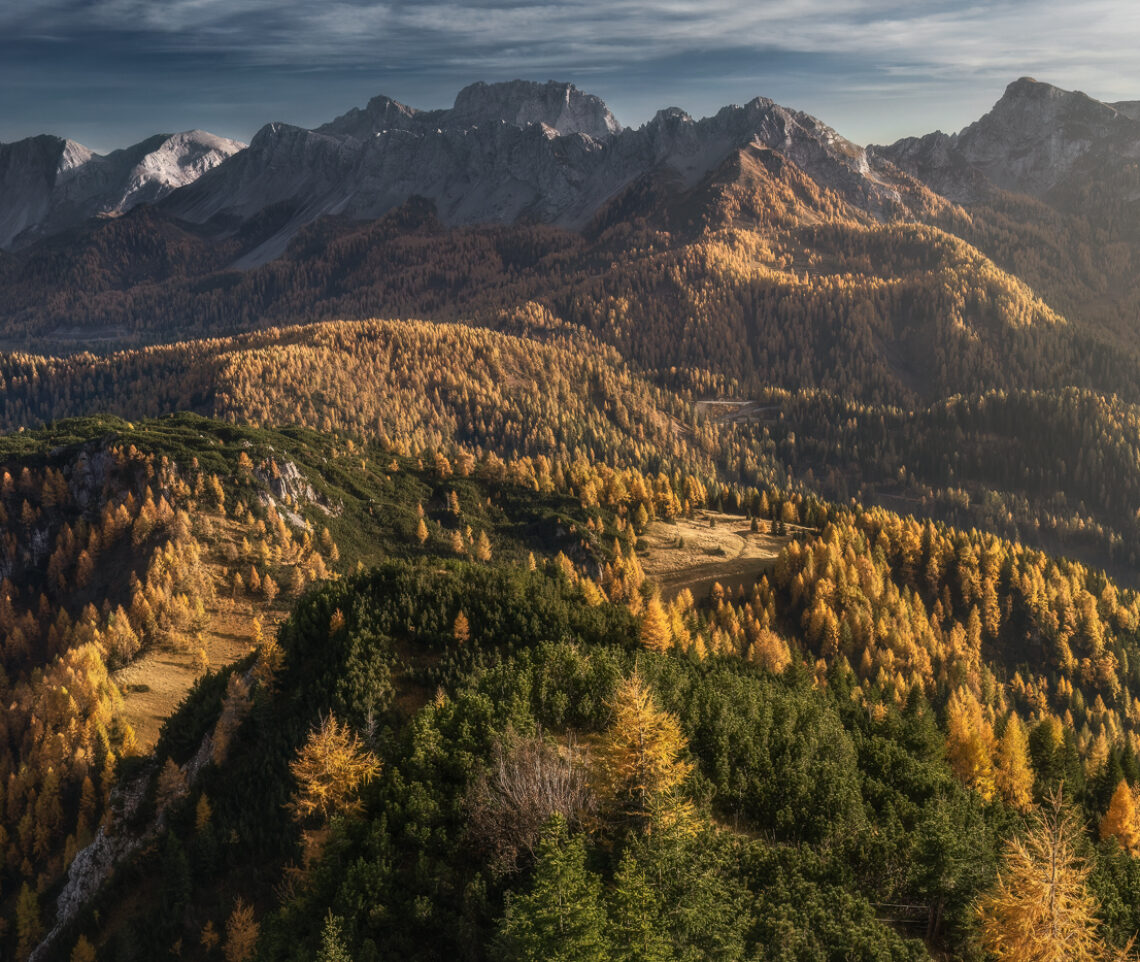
(832, 57)
(939, 35)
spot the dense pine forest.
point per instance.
(746, 575)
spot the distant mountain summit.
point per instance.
(559, 106)
(48, 184)
(1038, 139)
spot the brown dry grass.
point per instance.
(155, 684)
(693, 553)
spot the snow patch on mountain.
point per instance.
(48, 184)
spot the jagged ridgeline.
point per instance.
(758, 244)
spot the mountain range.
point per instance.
(1037, 140)
(504, 153)
(49, 185)
(544, 153)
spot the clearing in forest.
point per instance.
(155, 683)
(708, 549)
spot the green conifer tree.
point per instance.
(635, 910)
(562, 918)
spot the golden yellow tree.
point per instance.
(770, 651)
(461, 629)
(639, 767)
(330, 767)
(970, 744)
(171, 784)
(1013, 771)
(1120, 822)
(1041, 910)
(242, 931)
(84, 951)
(209, 937)
(654, 627)
(203, 812)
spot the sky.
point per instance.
(110, 72)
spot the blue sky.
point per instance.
(110, 72)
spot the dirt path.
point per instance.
(710, 548)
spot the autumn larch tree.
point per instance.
(171, 784)
(1120, 820)
(329, 769)
(654, 626)
(461, 629)
(242, 931)
(1041, 910)
(970, 743)
(84, 951)
(1013, 771)
(482, 547)
(639, 768)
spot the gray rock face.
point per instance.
(48, 185)
(503, 153)
(560, 106)
(1035, 139)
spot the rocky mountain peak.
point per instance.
(561, 106)
(1035, 109)
(380, 114)
(49, 184)
(1035, 138)
(504, 152)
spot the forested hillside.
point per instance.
(748, 573)
(888, 686)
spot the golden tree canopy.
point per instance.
(1014, 772)
(639, 766)
(1120, 822)
(84, 951)
(242, 931)
(654, 627)
(1041, 909)
(461, 628)
(329, 769)
(971, 744)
